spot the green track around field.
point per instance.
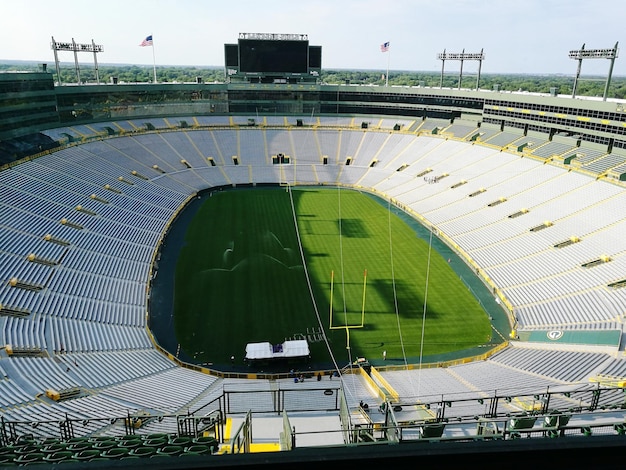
(241, 278)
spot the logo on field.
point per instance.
(554, 335)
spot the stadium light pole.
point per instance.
(442, 56)
(583, 53)
(76, 48)
(461, 56)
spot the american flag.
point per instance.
(384, 47)
(147, 41)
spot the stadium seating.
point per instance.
(90, 319)
(53, 451)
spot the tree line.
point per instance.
(559, 84)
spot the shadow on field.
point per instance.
(409, 299)
(353, 228)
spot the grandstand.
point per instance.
(532, 200)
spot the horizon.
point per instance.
(104, 64)
(350, 32)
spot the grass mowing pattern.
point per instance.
(240, 279)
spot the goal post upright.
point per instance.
(363, 304)
(332, 278)
(285, 184)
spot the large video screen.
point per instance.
(270, 56)
(231, 52)
(315, 57)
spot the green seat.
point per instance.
(105, 444)
(181, 440)
(26, 439)
(556, 419)
(209, 441)
(429, 431)
(198, 449)
(26, 449)
(130, 443)
(143, 451)
(204, 440)
(58, 456)
(86, 454)
(116, 453)
(170, 449)
(522, 422)
(156, 442)
(54, 447)
(7, 458)
(33, 457)
(78, 446)
(7, 450)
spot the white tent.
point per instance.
(288, 349)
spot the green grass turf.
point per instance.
(240, 279)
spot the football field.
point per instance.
(265, 265)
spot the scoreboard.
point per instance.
(272, 58)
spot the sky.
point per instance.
(516, 36)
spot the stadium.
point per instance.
(524, 191)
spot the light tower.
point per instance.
(583, 53)
(462, 56)
(72, 46)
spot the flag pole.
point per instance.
(153, 61)
(387, 75)
(386, 48)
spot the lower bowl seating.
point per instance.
(102, 448)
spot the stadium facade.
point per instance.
(529, 192)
